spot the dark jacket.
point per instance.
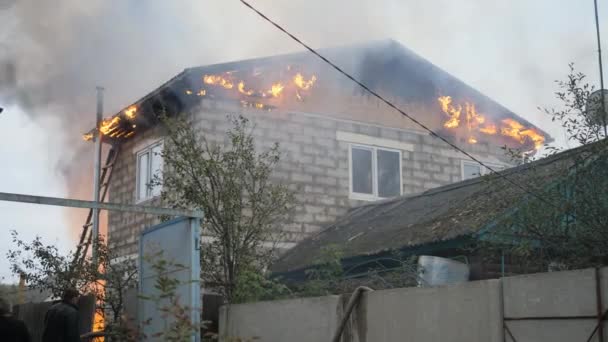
(61, 323)
(13, 330)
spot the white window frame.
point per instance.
(147, 149)
(374, 149)
(482, 169)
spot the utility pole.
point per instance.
(599, 53)
(96, 171)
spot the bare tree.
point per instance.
(232, 184)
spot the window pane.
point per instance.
(470, 171)
(156, 167)
(388, 174)
(142, 176)
(362, 171)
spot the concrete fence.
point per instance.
(558, 306)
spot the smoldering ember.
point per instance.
(327, 179)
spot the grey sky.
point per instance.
(510, 50)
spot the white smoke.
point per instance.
(54, 53)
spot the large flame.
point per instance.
(109, 125)
(290, 83)
(475, 122)
(452, 111)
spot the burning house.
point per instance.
(341, 147)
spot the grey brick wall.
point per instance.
(314, 164)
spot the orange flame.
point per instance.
(296, 82)
(130, 112)
(241, 87)
(490, 129)
(478, 122)
(517, 131)
(87, 136)
(473, 118)
(303, 84)
(109, 125)
(201, 92)
(451, 111)
(218, 80)
(276, 89)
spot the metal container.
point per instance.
(436, 271)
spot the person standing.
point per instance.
(61, 323)
(11, 329)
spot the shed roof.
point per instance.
(441, 214)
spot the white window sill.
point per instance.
(364, 197)
(146, 200)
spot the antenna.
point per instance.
(599, 56)
(596, 108)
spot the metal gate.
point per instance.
(175, 245)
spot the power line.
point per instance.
(390, 104)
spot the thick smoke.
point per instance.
(54, 53)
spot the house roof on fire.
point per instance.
(448, 213)
(385, 66)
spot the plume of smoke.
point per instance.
(54, 53)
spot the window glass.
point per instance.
(470, 170)
(388, 173)
(362, 171)
(142, 176)
(156, 165)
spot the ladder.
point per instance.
(104, 184)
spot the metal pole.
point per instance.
(599, 53)
(96, 172)
(74, 203)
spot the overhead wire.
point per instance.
(390, 104)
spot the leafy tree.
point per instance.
(46, 269)
(581, 124)
(568, 225)
(232, 184)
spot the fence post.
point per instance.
(598, 298)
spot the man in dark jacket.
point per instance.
(61, 321)
(11, 329)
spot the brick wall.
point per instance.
(315, 164)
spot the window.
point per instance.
(374, 172)
(149, 165)
(472, 169)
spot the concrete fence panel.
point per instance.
(305, 320)
(555, 306)
(467, 312)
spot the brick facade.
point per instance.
(315, 164)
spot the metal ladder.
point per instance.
(104, 184)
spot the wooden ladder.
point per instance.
(104, 184)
